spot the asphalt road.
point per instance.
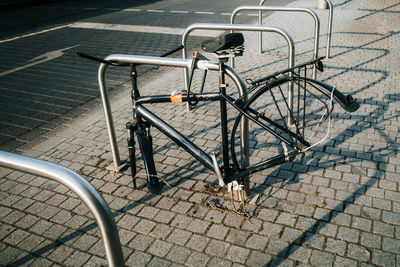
(43, 84)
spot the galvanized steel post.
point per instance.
(287, 9)
(85, 191)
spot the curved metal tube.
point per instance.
(238, 27)
(108, 116)
(85, 191)
(329, 31)
(161, 61)
(285, 9)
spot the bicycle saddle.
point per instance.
(223, 42)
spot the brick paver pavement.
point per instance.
(339, 206)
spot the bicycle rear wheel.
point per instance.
(283, 125)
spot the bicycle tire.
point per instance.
(276, 130)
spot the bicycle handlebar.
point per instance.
(176, 49)
(119, 64)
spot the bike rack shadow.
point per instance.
(376, 11)
(354, 196)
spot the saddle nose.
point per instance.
(223, 42)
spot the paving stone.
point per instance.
(144, 226)
(164, 216)
(138, 258)
(257, 242)
(217, 248)
(277, 246)
(179, 236)
(348, 234)
(84, 242)
(382, 258)
(178, 254)
(383, 229)
(300, 254)
(391, 217)
(237, 237)
(77, 258)
(337, 247)
(127, 221)
(160, 248)
(286, 219)
(141, 242)
(197, 259)
(267, 214)
(217, 231)
(320, 258)
(215, 216)
(161, 231)
(237, 254)
(371, 240)
(340, 261)
(358, 253)
(257, 258)
(314, 241)
(362, 224)
(60, 253)
(197, 242)
(219, 262)
(391, 245)
(181, 221)
(198, 226)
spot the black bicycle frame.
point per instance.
(143, 115)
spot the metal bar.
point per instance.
(330, 21)
(224, 120)
(329, 31)
(244, 126)
(85, 191)
(132, 59)
(285, 9)
(109, 120)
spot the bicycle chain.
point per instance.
(215, 189)
(213, 206)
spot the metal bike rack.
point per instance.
(170, 62)
(285, 9)
(329, 31)
(241, 27)
(85, 191)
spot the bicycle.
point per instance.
(280, 109)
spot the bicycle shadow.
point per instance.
(320, 164)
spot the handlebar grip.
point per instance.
(176, 49)
(102, 60)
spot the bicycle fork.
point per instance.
(144, 138)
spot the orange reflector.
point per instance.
(176, 98)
